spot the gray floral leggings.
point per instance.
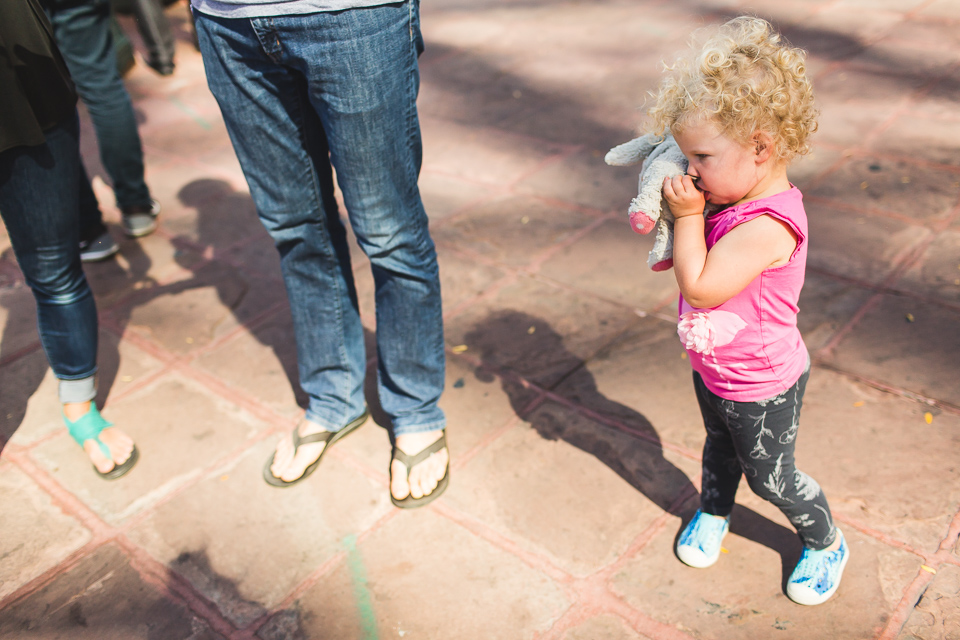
(757, 439)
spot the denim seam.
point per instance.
(297, 118)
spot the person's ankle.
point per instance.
(76, 410)
(835, 546)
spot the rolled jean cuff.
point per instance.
(78, 390)
(410, 429)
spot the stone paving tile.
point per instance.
(593, 119)
(168, 179)
(741, 597)
(191, 312)
(299, 528)
(37, 535)
(101, 598)
(261, 363)
(879, 242)
(903, 188)
(18, 317)
(605, 487)
(941, 9)
(187, 108)
(28, 388)
(940, 101)
(215, 215)
(179, 428)
(485, 156)
(937, 615)
(927, 139)
(806, 169)
(918, 62)
(140, 264)
(10, 274)
(28, 407)
(512, 230)
(584, 179)
(927, 32)
(606, 626)
(846, 124)
(444, 195)
(907, 343)
(644, 381)
(826, 305)
(611, 261)
(463, 279)
(476, 406)
(451, 80)
(865, 447)
(205, 133)
(870, 88)
(937, 274)
(537, 331)
(378, 590)
(901, 6)
(121, 364)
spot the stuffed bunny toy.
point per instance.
(661, 158)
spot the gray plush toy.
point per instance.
(661, 158)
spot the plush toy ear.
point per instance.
(631, 152)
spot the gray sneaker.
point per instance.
(103, 247)
(140, 220)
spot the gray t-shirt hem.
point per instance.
(266, 8)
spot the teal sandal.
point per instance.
(410, 462)
(88, 427)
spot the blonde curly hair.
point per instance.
(745, 79)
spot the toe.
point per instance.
(282, 457)
(117, 442)
(303, 458)
(100, 461)
(399, 487)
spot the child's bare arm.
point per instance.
(708, 279)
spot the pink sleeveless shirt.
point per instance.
(749, 348)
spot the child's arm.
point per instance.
(708, 279)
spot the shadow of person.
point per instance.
(224, 249)
(23, 365)
(530, 358)
(522, 347)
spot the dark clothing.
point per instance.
(39, 205)
(758, 439)
(82, 30)
(37, 90)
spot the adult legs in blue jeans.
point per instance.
(39, 205)
(82, 31)
(297, 94)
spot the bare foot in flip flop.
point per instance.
(425, 476)
(289, 462)
(298, 455)
(119, 444)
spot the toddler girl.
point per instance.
(740, 110)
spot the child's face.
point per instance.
(728, 171)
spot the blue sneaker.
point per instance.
(817, 575)
(699, 544)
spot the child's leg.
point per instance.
(765, 440)
(700, 541)
(721, 466)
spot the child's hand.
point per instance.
(683, 196)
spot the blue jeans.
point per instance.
(82, 30)
(39, 205)
(301, 92)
